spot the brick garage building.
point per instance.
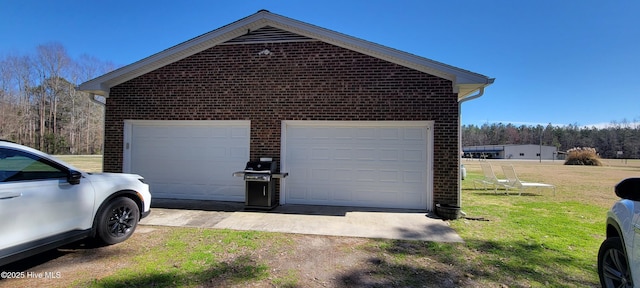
(353, 122)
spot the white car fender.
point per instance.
(627, 213)
(105, 184)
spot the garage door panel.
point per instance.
(190, 159)
(344, 134)
(342, 174)
(238, 153)
(366, 154)
(320, 175)
(352, 196)
(366, 175)
(298, 192)
(343, 154)
(365, 133)
(379, 166)
(389, 154)
(413, 177)
(410, 155)
(389, 176)
(342, 195)
(414, 134)
(320, 154)
(298, 154)
(316, 193)
(390, 133)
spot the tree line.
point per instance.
(617, 140)
(40, 107)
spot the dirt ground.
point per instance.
(303, 261)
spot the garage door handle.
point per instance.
(4, 196)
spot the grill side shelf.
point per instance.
(275, 175)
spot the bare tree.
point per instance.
(18, 80)
(88, 67)
(52, 65)
(40, 107)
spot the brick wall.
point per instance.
(297, 81)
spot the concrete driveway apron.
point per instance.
(303, 219)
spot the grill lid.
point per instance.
(261, 167)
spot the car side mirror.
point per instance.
(629, 189)
(74, 177)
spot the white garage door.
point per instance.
(367, 164)
(188, 159)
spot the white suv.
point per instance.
(619, 255)
(46, 203)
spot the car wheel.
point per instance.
(117, 221)
(613, 267)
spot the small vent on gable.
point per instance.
(268, 34)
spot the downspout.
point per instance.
(92, 97)
(465, 99)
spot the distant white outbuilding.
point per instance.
(524, 152)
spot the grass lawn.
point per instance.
(88, 163)
(538, 239)
(533, 240)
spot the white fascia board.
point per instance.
(362, 46)
(454, 74)
(102, 84)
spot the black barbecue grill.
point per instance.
(259, 178)
(260, 170)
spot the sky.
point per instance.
(554, 62)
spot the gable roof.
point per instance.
(279, 28)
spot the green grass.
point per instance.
(290, 279)
(88, 163)
(533, 240)
(191, 257)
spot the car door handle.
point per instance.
(10, 195)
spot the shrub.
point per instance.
(583, 156)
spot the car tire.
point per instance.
(613, 265)
(117, 221)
